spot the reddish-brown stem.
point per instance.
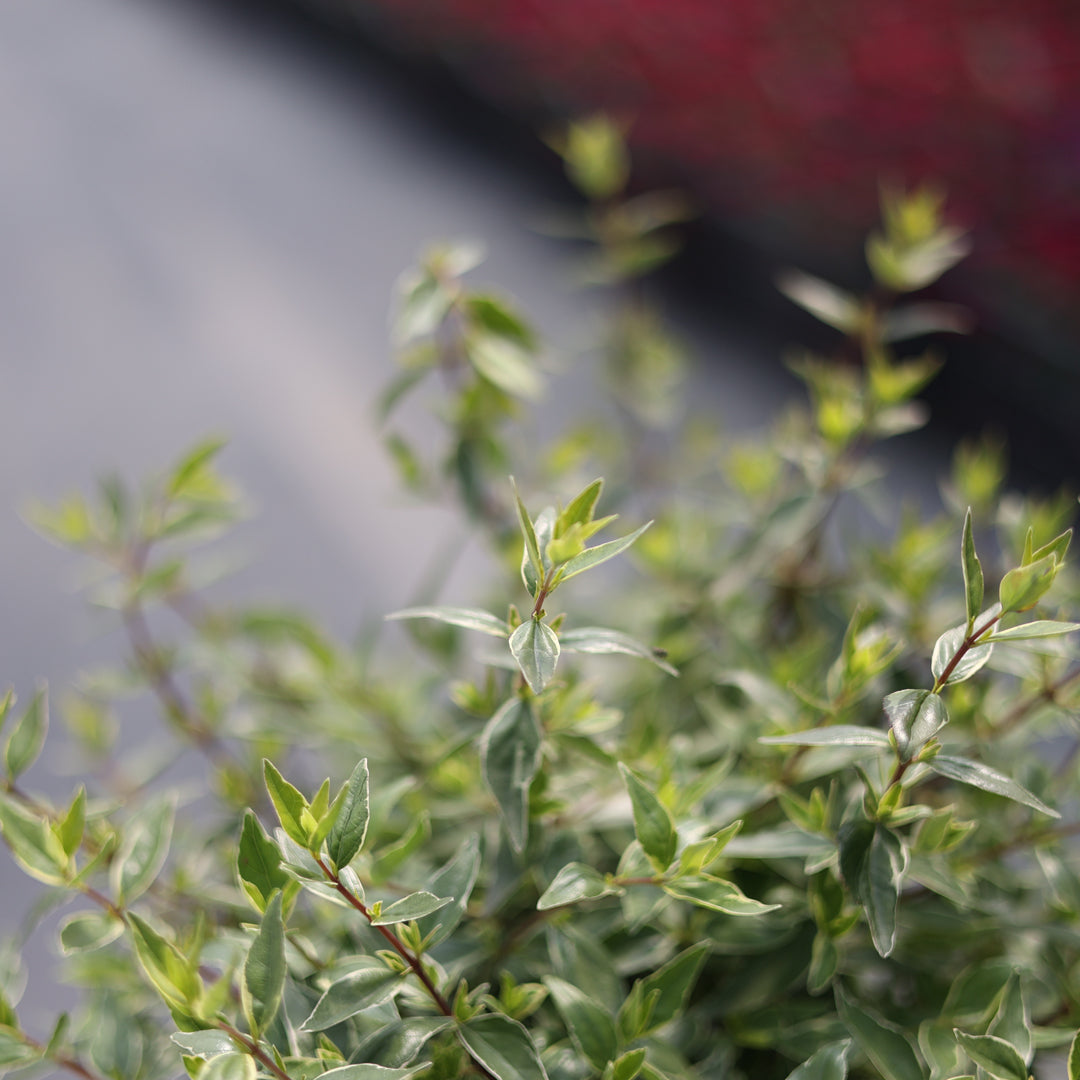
(250, 1046)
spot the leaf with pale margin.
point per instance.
(230, 1066)
(915, 717)
(502, 1046)
(837, 735)
(652, 823)
(414, 906)
(598, 639)
(535, 647)
(1074, 1058)
(505, 364)
(888, 1049)
(368, 1071)
(532, 547)
(264, 968)
(28, 736)
(359, 990)
(880, 881)
(973, 574)
(574, 882)
(144, 851)
(258, 862)
(203, 1044)
(714, 893)
(594, 556)
(1000, 1059)
(347, 834)
(591, 1027)
(397, 1044)
(288, 802)
(510, 756)
(674, 981)
(824, 301)
(948, 645)
(828, 1063)
(1040, 628)
(88, 930)
(457, 879)
(982, 776)
(467, 618)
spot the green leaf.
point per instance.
(982, 776)
(886, 1046)
(836, 735)
(915, 717)
(502, 1046)
(581, 507)
(590, 1025)
(1012, 1021)
(672, 984)
(167, 968)
(15, 1053)
(535, 647)
(1074, 1058)
(231, 1066)
(873, 861)
(288, 802)
(69, 831)
(652, 823)
(457, 879)
(468, 618)
(973, 575)
(574, 882)
(347, 834)
(826, 302)
(143, 852)
(203, 1044)
(369, 1071)
(88, 930)
(1040, 628)
(628, 1065)
(264, 969)
(717, 895)
(1023, 587)
(414, 906)
(824, 960)
(828, 1063)
(397, 1044)
(999, 1058)
(359, 990)
(948, 645)
(594, 556)
(505, 364)
(258, 862)
(35, 847)
(495, 316)
(532, 547)
(597, 639)
(185, 478)
(510, 756)
(28, 736)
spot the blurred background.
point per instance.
(206, 204)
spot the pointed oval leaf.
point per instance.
(885, 1045)
(597, 639)
(1074, 1058)
(828, 1063)
(258, 862)
(594, 556)
(509, 757)
(532, 547)
(414, 906)
(535, 646)
(880, 882)
(1000, 1059)
(717, 895)
(397, 1045)
(143, 852)
(982, 776)
(973, 575)
(1040, 628)
(457, 879)
(915, 717)
(1023, 587)
(264, 968)
(230, 1066)
(573, 882)
(353, 993)
(591, 1027)
(203, 1044)
(368, 1071)
(88, 930)
(347, 834)
(288, 802)
(467, 618)
(504, 363)
(580, 509)
(28, 736)
(672, 984)
(1012, 1022)
(652, 823)
(836, 735)
(502, 1046)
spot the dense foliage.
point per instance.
(809, 817)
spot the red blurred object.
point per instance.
(793, 111)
